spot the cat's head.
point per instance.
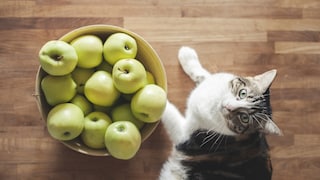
(232, 105)
(247, 107)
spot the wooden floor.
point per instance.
(241, 36)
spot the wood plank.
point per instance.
(217, 29)
(30, 9)
(251, 11)
(306, 168)
(296, 36)
(311, 13)
(297, 48)
(296, 152)
(297, 3)
(55, 23)
(8, 171)
(310, 139)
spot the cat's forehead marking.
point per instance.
(242, 82)
(235, 84)
(247, 82)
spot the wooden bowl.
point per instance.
(146, 54)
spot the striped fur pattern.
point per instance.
(238, 158)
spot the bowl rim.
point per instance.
(68, 37)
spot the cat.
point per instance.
(222, 135)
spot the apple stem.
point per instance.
(125, 71)
(57, 57)
(121, 128)
(66, 133)
(144, 114)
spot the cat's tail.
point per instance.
(190, 63)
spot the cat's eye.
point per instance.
(244, 118)
(242, 93)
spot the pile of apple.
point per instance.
(98, 91)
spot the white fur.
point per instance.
(189, 61)
(202, 103)
(172, 169)
(174, 123)
(202, 106)
(205, 104)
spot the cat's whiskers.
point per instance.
(219, 142)
(208, 138)
(211, 135)
(255, 118)
(265, 95)
(201, 132)
(215, 142)
(263, 116)
(218, 138)
(258, 107)
(269, 116)
(258, 102)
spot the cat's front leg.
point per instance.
(189, 61)
(173, 122)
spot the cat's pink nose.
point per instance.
(228, 107)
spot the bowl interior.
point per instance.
(146, 54)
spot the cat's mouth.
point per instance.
(226, 112)
(228, 115)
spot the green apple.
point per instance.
(150, 78)
(80, 76)
(123, 140)
(123, 113)
(149, 103)
(58, 58)
(89, 49)
(95, 127)
(119, 46)
(129, 75)
(99, 89)
(65, 121)
(58, 89)
(104, 66)
(83, 103)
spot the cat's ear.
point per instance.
(272, 128)
(265, 80)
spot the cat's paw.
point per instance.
(189, 61)
(169, 111)
(186, 55)
(173, 122)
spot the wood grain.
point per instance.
(245, 37)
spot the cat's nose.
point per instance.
(228, 107)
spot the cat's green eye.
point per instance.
(242, 93)
(244, 118)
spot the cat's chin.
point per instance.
(220, 125)
(227, 128)
(225, 112)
